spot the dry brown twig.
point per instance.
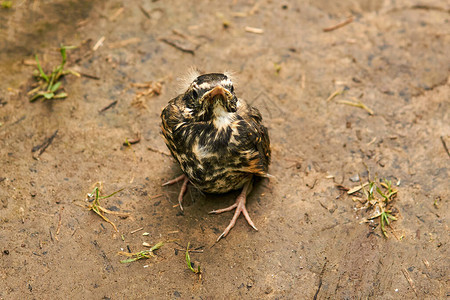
(181, 42)
(356, 103)
(250, 12)
(303, 81)
(339, 25)
(445, 146)
(156, 196)
(144, 11)
(42, 147)
(116, 14)
(254, 30)
(98, 44)
(410, 281)
(133, 141)
(112, 104)
(357, 188)
(59, 220)
(136, 230)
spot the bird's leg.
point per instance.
(239, 205)
(183, 187)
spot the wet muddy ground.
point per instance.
(392, 56)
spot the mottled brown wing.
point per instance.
(259, 140)
(172, 117)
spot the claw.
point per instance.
(239, 205)
(183, 187)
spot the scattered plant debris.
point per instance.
(379, 198)
(95, 205)
(49, 84)
(140, 255)
(150, 89)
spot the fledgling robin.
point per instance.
(217, 139)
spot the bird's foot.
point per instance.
(183, 187)
(239, 205)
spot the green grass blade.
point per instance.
(383, 230)
(35, 97)
(157, 246)
(382, 194)
(61, 95)
(386, 219)
(188, 262)
(129, 260)
(104, 197)
(71, 72)
(188, 259)
(64, 54)
(43, 75)
(48, 95)
(392, 217)
(56, 86)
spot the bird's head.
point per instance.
(209, 96)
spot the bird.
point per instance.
(218, 140)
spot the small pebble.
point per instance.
(354, 178)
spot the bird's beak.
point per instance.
(220, 93)
(218, 90)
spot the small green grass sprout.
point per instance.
(379, 196)
(189, 264)
(384, 219)
(95, 205)
(49, 84)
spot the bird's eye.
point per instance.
(194, 94)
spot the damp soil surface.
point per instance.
(288, 57)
